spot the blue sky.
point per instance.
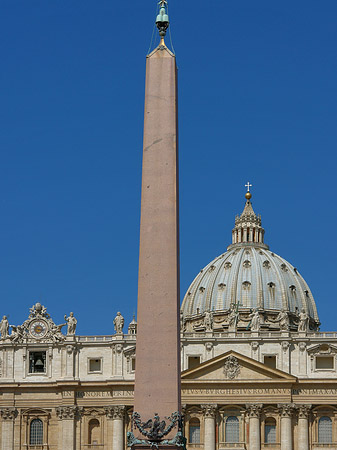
(257, 102)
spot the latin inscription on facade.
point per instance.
(215, 391)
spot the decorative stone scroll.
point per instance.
(8, 413)
(115, 412)
(303, 411)
(254, 409)
(231, 367)
(39, 327)
(209, 410)
(69, 412)
(286, 409)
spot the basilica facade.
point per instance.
(256, 371)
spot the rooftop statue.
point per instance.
(119, 323)
(72, 322)
(4, 327)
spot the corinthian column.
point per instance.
(209, 415)
(68, 415)
(286, 412)
(116, 415)
(254, 411)
(303, 427)
(8, 416)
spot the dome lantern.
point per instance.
(248, 228)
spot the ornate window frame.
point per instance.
(26, 357)
(322, 350)
(194, 412)
(130, 354)
(93, 372)
(224, 413)
(88, 415)
(319, 412)
(28, 416)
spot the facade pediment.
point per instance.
(232, 366)
(322, 349)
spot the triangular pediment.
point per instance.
(232, 366)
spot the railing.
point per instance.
(317, 445)
(218, 334)
(223, 445)
(36, 447)
(109, 338)
(92, 446)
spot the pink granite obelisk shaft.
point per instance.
(157, 385)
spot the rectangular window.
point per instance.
(324, 362)
(37, 362)
(133, 364)
(270, 361)
(193, 361)
(95, 365)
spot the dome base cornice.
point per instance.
(248, 244)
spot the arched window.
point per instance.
(36, 432)
(325, 430)
(270, 431)
(194, 431)
(94, 432)
(232, 429)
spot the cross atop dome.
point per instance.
(248, 185)
(248, 193)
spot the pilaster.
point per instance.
(209, 411)
(254, 412)
(303, 426)
(116, 414)
(286, 412)
(68, 416)
(8, 416)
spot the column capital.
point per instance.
(286, 409)
(254, 409)
(209, 410)
(115, 412)
(303, 411)
(69, 412)
(8, 413)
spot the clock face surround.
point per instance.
(38, 328)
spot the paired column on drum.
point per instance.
(286, 412)
(115, 415)
(8, 416)
(68, 416)
(254, 412)
(303, 426)
(209, 421)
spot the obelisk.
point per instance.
(157, 383)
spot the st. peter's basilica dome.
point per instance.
(249, 277)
